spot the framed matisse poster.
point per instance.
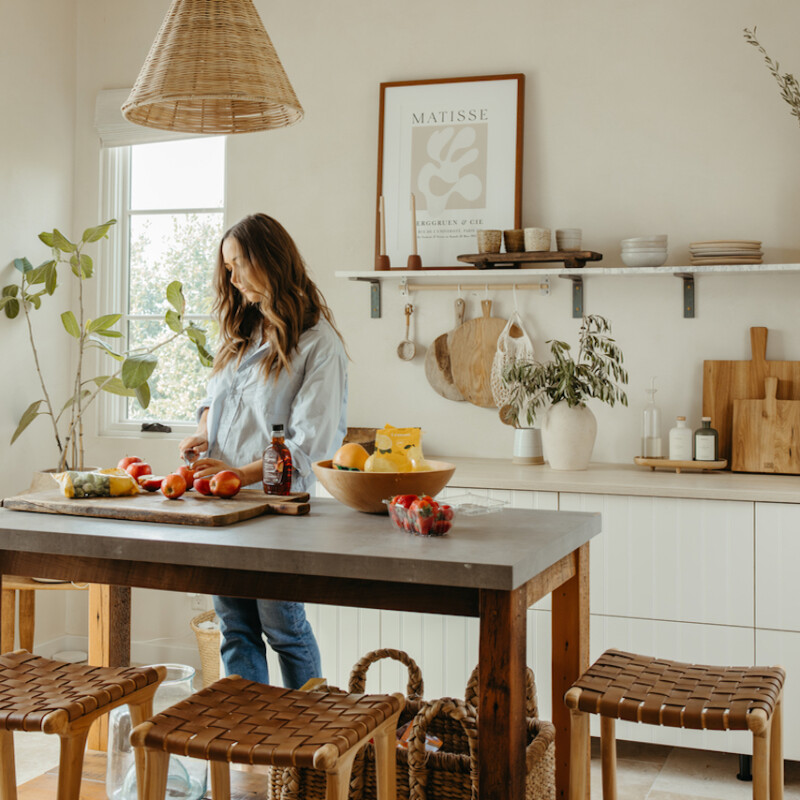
(452, 149)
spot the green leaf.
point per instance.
(175, 296)
(110, 334)
(23, 265)
(103, 323)
(11, 290)
(98, 232)
(82, 268)
(93, 341)
(51, 280)
(47, 238)
(60, 242)
(197, 335)
(113, 386)
(137, 369)
(206, 359)
(71, 324)
(84, 394)
(29, 415)
(35, 300)
(10, 305)
(173, 320)
(143, 395)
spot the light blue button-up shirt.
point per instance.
(310, 401)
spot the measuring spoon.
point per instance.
(406, 349)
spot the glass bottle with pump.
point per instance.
(651, 426)
(680, 441)
(277, 464)
(706, 442)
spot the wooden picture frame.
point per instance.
(456, 145)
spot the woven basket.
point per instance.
(443, 775)
(208, 645)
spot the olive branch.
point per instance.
(787, 83)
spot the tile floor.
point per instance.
(645, 771)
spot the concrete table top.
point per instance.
(500, 550)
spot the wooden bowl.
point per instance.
(366, 491)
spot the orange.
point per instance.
(350, 456)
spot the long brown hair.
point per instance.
(291, 302)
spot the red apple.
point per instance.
(187, 473)
(124, 463)
(173, 486)
(137, 469)
(225, 484)
(151, 483)
(202, 485)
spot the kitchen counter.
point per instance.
(622, 479)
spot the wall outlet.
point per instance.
(198, 602)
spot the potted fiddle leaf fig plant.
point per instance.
(561, 388)
(130, 370)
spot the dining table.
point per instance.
(491, 566)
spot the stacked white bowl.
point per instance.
(644, 251)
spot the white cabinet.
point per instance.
(781, 648)
(777, 560)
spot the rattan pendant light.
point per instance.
(212, 69)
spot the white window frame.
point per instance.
(115, 254)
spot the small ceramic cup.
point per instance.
(489, 240)
(568, 239)
(514, 240)
(537, 240)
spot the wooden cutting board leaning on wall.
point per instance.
(726, 381)
(766, 434)
(472, 348)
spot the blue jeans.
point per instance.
(288, 632)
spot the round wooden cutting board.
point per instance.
(437, 360)
(472, 349)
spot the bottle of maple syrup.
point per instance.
(277, 465)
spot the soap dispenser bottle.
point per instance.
(651, 426)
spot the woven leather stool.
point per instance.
(239, 721)
(660, 692)
(37, 694)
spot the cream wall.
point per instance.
(639, 118)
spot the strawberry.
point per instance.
(423, 515)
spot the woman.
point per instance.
(280, 360)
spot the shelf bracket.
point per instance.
(374, 296)
(688, 293)
(577, 294)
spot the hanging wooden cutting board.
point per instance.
(437, 359)
(472, 349)
(766, 434)
(726, 381)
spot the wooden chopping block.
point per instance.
(472, 349)
(437, 360)
(726, 381)
(766, 433)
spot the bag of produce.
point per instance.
(97, 483)
(397, 450)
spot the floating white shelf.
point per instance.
(538, 278)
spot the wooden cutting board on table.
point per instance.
(766, 433)
(472, 349)
(726, 381)
(190, 509)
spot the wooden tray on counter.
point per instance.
(191, 509)
(571, 258)
(665, 463)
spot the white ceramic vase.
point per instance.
(527, 446)
(568, 436)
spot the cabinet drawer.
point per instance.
(777, 556)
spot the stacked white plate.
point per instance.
(726, 251)
(644, 251)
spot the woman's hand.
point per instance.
(197, 442)
(206, 467)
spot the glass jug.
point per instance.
(187, 777)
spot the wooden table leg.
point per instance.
(570, 642)
(7, 620)
(501, 705)
(109, 641)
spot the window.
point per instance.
(168, 200)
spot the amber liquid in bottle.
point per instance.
(277, 465)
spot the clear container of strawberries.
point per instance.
(420, 515)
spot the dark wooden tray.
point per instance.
(571, 258)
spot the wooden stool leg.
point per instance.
(156, 768)
(220, 780)
(337, 781)
(139, 713)
(27, 618)
(8, 775)
(578, 753)
(776, 753)
(70, 767)
(7, 620)
(608, 757)
(385, 763)
(761, 765)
